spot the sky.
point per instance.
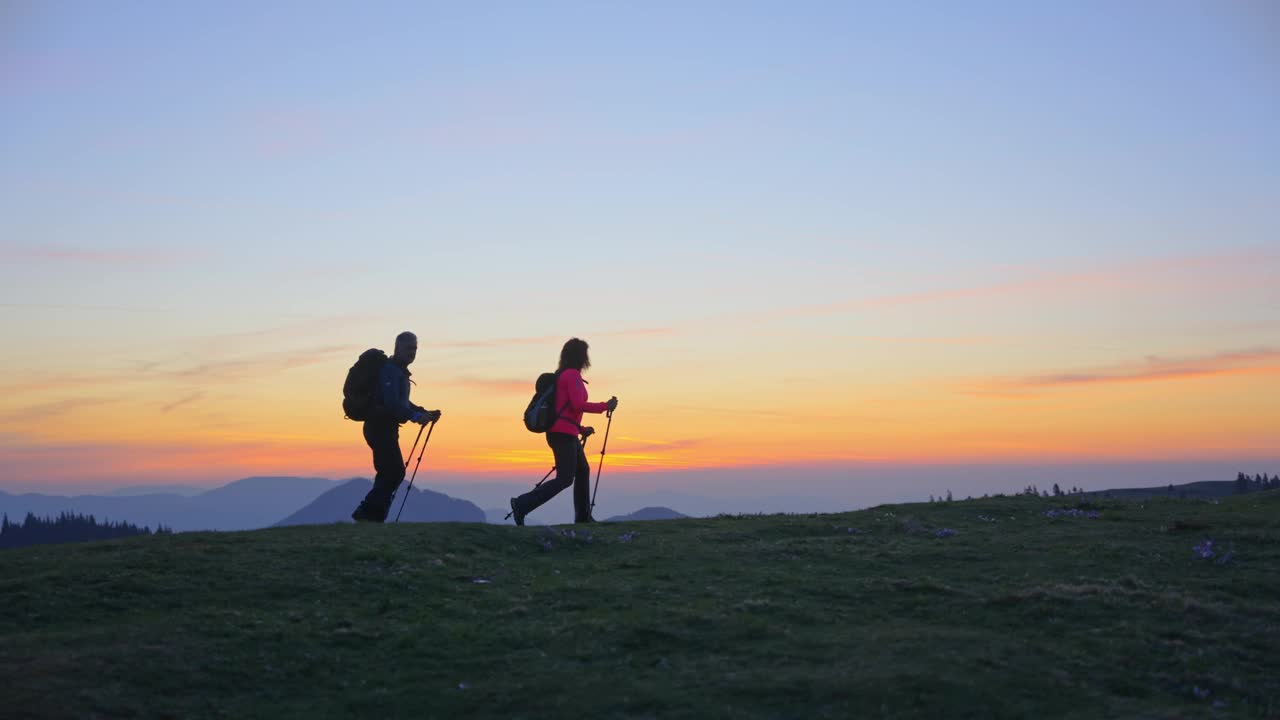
(826, 249)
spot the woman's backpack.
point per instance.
(541, 413)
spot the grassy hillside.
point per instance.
(1204, 490)
(863, 614)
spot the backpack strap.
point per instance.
(560, 413)
(560, 416)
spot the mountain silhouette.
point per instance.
(649, 513)
(135, 490)
(422, 506)
(246, 504)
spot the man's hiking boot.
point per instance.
(516, 514)
(363, 514)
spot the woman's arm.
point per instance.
(576, 394)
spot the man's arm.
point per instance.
(394, 399)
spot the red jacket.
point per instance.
(571, 402)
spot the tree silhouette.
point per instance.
(68, 527)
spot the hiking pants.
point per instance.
(383, 437)
(571, 469)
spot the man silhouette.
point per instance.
(382, 429)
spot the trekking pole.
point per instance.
(417, 465)
(600, 466)
(409, 459)
(585, 435)
(415, 446)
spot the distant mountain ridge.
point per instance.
(135, 490)
(245, 504)
(649, 513)
(259, 502)
(336, 505)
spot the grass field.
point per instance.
(876, 613)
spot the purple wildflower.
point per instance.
(626, 537)
(945, 532)
(1199, 692)
(1072, 512)
(1204, 550)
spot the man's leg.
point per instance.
(388, 463)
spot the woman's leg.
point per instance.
(582, 489)
(566, 449)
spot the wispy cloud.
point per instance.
(168, 371)
(497, 342)
(61, 382)
(181, 401)
(925, 340)
(1126, 275)
(304, 327)
(52, 409)
(91, 308)
(1151, 369)
(500, 385)
(98, 256)
(638, 332)
(734, 412)
(30, 458)
(640, 445)
(255, 365)
(549, 339)
(766, 415)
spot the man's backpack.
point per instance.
(360, 391)
(541, 413)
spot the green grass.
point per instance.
(743, 617)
